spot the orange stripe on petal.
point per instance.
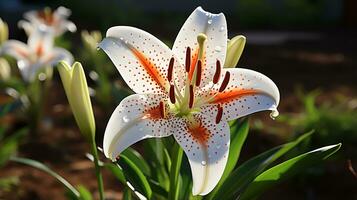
(194, 59)
(233, 94)
(150, 67)
(199, 133)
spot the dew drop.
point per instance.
(98, 48)
(274, 114)
(221, 29)
(209, 21)
(218, 48)
(126, 41)
(203, 163)
(126, 119)
(121, 38)
(218, 146)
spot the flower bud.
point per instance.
(5, 70)
(91, 39)
(4, 31)
(234, 51)
(76, 88)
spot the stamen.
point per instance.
(172, 94)
(219, 114)
(188, 59)
(190, 103)
(217, 74)
(199, 73)
(170, 69)
(225, 82)
(162, 109)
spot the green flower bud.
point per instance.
(4, 31)
(5, 70)
(234, 51)
(76, 88)
(91, 39)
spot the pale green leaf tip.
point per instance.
(235, 49)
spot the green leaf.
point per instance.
(8, 146)
(127, 194)
(239, 132)
(176, 154)
(137, 159)
(246, 173)
(135, 176)
(287, 169)
(116, 171)
(84, 193)
(158, 189)
(42, 167)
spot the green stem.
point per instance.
(176, 161)
(97, 169)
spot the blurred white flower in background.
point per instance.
(38, 53)
(57, 20)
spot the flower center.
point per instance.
(187, 102)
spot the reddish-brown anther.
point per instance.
(188, 59)
(217, 74)
(219, 114)
(172, 94)
(190, 103)
(170, 69)
(225, 82)
(199, 73)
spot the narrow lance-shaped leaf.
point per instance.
(135, 176)
(239, 133)
(287, 169)
(246, 173)
(42, 167)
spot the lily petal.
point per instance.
(206, 146)
(57, 55)
(214, 26)
(137, 117)
(16, 49)
(41, 40)
(247, 92)
(141, 59)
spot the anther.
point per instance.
(190, 103)
(225, 82)
(170, 69)
(199, 73)
(217, 74)
(172, 94)
(188, 59)
(162, 109)
(219, 114)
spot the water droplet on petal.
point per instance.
(218, 146)
(126, 119)
(221, 29)
(126, 41)
(218, 48)
(121, 38)
(209, 21)
(203, 163)
(98, 48)
(274, 114)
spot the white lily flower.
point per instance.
(39, 52)
(54, 19)
(183, 92)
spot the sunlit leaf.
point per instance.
(135, 176)
(244, 174)
(42, 167)
(287, 169)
